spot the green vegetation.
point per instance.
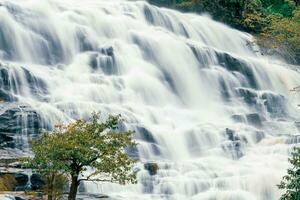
(291, 182)
(276, 23)
(80, 147)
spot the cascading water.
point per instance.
(216, 116)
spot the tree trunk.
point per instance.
(50, 186)
(74, 187)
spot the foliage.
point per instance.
(74, 148)
(284, 32)
(291, 182)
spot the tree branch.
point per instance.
(97, 180)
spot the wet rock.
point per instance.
(109, 51)
(255, 119)
(293, 139)
(84, 42)
(224, 89)
(145, 135)
(132, 152)
(14, 116)
(152, 168)
(22, 179)
(36, 85)
(6, 141)
(249, 96)
(236, 65)
(12, 78)
(104, 61)
(6, 84)
(259, 136)
(16, 165)
(36, 181)
(19, 198)
(156, 149)
(235, 144)
(239, 118)
(234, 149)
(94, 61)
(275, 104)
(16, 119)
(231, 134)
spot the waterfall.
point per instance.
(215, 115)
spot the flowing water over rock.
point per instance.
(215, 116)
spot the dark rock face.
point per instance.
(235, 145)
(231, 134)
(145, 135)
(6, 141)
(16, 119)
(152, 168)
(6, 85)
(255, 119)
(37, 86)
(104, 59)
(249, 96)
(14, 79)
(274, 104)
(236, 65)
(109, 51)
(18, 198)
(36, 181)
(22, 179)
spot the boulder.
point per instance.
(22, 179)
(36, 181)
(151, 167)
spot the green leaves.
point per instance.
(72, 148)
(291, 182)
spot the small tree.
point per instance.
(72, 149)
(291, 182)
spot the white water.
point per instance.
(164, 74)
